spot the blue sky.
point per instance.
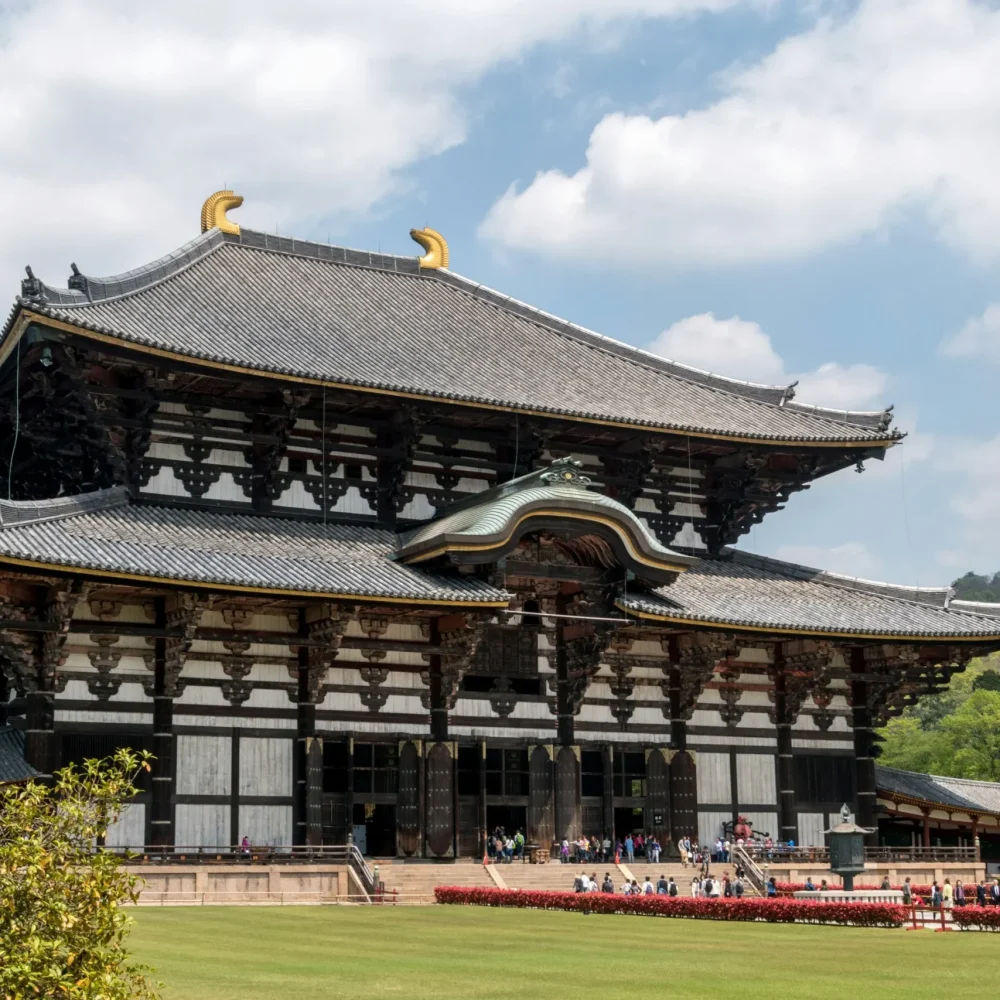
(770, 189)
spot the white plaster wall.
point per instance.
(712, 771)
(204, 765)
(265, 766)
(130, 830)
(202, 826)
(763, 822)
(710, 826)
(811, 827)
(266, 825)
(755, 778)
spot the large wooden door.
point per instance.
(440, 800)
(541, 819)
(408, 799)
(683, 796)
(658, 795)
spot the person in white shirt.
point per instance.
(647, 888)
(716, 888)
(626, 888)
(695, 887)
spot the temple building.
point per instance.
(358, 547)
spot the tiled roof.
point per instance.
(756, 592)
(236, 550)
(13, 766)
(274, 304)
(977, 608)
(962, 793)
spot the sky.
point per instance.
(776, 190)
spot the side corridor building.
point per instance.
(357, 546)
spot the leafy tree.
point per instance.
(62, 930)
(910, 747)
(974, 732)
(972, 587)
(988, 680)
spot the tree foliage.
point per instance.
(973, 587)
(62, 929)
(955, 733)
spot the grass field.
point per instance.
(314, 953)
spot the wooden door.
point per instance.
(408, 800)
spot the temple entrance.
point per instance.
(511, 818)
(628, 819)
(378, 822)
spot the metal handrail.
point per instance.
(754, 875)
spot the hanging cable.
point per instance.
(17, 417)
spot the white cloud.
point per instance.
(741, 349)
(850, 558)
(835, 134)
(978, 338)
(975, 470)
(118, 118)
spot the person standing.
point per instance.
(959, 893)
(907, 892)
(995, 892)
(672, 889)
(606, 848)
(772, 888)
(630, 848)
(647, 887)
(936, 895)
(947, 895)
(564, 852)
(738, 887)
(608, 885)
(727, 850)
(662, 888)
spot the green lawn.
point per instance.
(312, 953)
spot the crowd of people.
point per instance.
(707, 887)
(591, 849)
(503, 848)
(948, 895)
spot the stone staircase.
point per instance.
(409, 882)
(413, 882)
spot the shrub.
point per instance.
(985, 918)
(781, 910)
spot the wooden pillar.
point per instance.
(308, 761)
(235, 834)
(438, 694)
(349, 797)
(564, 702)
(787, 825)
(484, 829)
(926, 839)
(864, 759)
(975, 836)
(41, 747)
(682, 784)
(162, 796)
(609, 792)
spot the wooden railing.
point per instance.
(780, 854)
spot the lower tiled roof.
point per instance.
(13, 766)
(757, 593)
(233, 550)
(960, 793)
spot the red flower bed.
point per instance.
(778, 911)
(985, 918)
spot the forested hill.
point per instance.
(972, 587)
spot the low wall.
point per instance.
(275, 884)
(919, 872)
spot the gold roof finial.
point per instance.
(213, 212)
(435, 245)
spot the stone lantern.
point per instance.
(847, 849)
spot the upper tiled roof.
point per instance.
(13, 766)
(962, 793)
(309, 310)
(755, 592)
(232, 550)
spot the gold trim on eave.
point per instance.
(213, 212)
(818, 633)
(29, 316)
(436, 246)
(240, 589)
